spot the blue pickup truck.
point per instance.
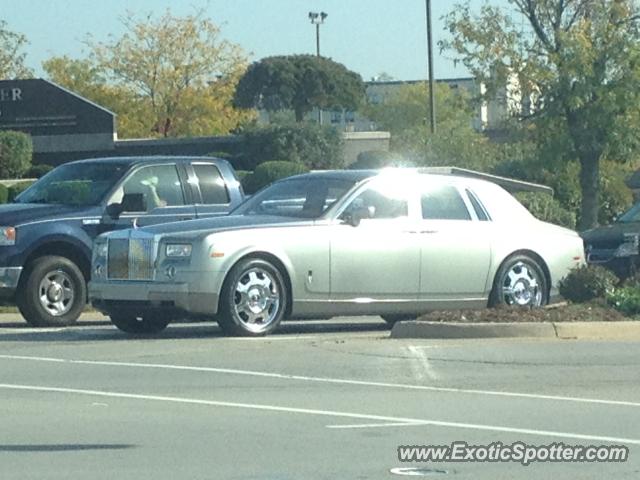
(47, 232)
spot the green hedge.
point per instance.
(18, 188)
(317, 147)
(374, 159)
(39, 170)
(546, 208)
(15, 154)
(269, 172)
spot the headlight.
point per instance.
(181, 250)
(7, 236)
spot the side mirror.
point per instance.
(131, 202)
(355, 216)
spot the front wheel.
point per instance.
(147, 323)
(520, 281)
(253, 299)
(53, 293)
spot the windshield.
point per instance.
(631, 215)
(80, 184)
(306, 197)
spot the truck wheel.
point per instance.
(139, 324)
(53, 292)
(253, 299)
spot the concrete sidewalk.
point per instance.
(625, 330)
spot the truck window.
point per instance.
(159, 184)
(212, 185)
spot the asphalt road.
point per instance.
(320, 400)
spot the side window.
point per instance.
(381, 203)
(212, 186)
(481, 213)
(443, 202)
(159, 185)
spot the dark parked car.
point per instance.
(46, 235)
(616, 246)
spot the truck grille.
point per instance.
(130, 259)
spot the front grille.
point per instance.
(130, 259)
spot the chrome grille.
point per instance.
(130, 259)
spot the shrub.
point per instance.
(378, 159)
(39, 170)
(625, 299)
(15, 154)
(587, 283)
(18, 188)
(546, 208)
(4, 194)
(315, 146)
(222, 155)
(269, 172)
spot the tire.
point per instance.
(253, 299)
(393, 319)
(147, 323)
(520, 281)
(53, 292)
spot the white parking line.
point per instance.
(326, 413)
(338, 381)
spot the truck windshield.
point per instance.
(79, 184)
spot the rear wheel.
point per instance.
(147, 323)
(253, 300)
(520, 281)
(53, 292)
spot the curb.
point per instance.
(625, 330)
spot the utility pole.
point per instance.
(432, 103)
(317, 19)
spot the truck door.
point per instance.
(210, 190)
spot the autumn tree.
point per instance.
(12, 56)
(577, 60)
(299, 83)
(165, 76)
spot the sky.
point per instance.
(368, 36)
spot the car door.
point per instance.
(210, 190)
(455, 243)
(162, 188)
(379, 259)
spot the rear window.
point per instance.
(212, 185)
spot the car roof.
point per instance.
(144, 159)
(357, 176)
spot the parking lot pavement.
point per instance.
(331, 399)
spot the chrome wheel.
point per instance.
(56, 293)
(256, 299)
(522, 285)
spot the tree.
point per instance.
(175, 74)
(11, 55)
(299, 83)
(404, 113)
(578, 62)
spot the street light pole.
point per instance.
(317, 19)
(432, 103)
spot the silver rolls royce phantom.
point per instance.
(393, 243)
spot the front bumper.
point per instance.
(106, 295)
(9, 278)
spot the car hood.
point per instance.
(229, 222)
(610, 235)
(20, 213)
